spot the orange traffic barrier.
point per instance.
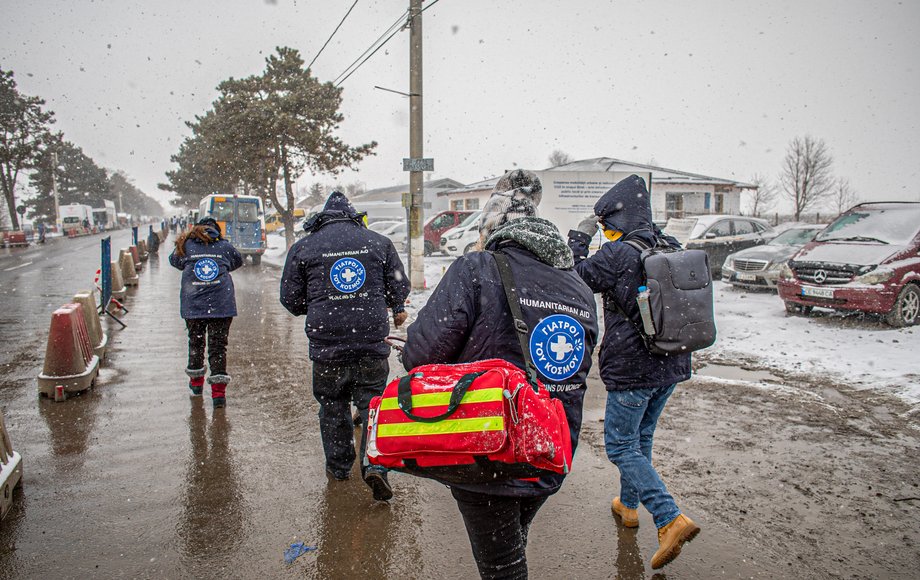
(128, 271)
(97, 338)
(71, 365)
(136, 255)
(10, 470)
(118, 283)
(142, 250)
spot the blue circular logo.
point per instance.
(206, 269)
(557, 346)
(347, 275)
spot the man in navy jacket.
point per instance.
(638, 382)
(343, 277)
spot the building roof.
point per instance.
(394, 192)
(659, 174)
(484, 185)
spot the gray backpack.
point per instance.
(680, 299)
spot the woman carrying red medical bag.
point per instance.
(548, 313)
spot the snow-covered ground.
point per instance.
(755, 332)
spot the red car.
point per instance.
(866, 260)
(438, 224)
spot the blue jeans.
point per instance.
(629, 426)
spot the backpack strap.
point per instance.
(514, 303)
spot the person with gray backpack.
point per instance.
(650, 327)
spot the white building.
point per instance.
(570, 190)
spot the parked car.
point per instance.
(273, 221)
(397, 233)
(381, 225)
(719, 235)
(759, 267)
(440, 223)
(866, 260)
(463, 238)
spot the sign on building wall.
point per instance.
(569, 196)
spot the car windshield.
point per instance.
(397, 228)
(891, 224)
(794, 237)
(469, 220)
(683, 228)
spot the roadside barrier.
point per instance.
(119, 290)
(97, 338)
(142, 250)
(136, 256)
(128, 271)
(71, 365)
(10, 470)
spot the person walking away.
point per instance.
(207, 303)
(343, 277)
(638, 382)
(468, 319)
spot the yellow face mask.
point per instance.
(612, 235)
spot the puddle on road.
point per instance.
(737, 374)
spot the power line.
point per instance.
(393, 28)
(391, 33)
(333, 34)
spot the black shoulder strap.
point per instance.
(511, 295)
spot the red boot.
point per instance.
(219, 390)
(195, 381)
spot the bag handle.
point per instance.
(514, 303)
(404, 396)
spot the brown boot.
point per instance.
(671, 538)
(628, 517)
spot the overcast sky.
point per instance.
(712, 87)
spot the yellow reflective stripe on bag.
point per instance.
(443, 399)
(445, 427)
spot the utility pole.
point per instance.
(416, 178)
(54, 190)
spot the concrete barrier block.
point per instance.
(118, 283)
(70, 362)
(10, 470)
(143, 254)
(136, 256)
(97, 338)
(128, 272)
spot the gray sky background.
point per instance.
(712, 87)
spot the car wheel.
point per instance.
(256, 259)
(796, 309)
(469, 248)
(906, 310)
(429, 248)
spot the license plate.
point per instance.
(817, 292)
(745, 277)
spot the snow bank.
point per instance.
(861, 351)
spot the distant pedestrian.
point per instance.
(41, 232)
(343, 278)
(468, 319)
(153, 242)
(638, 382)
(207, 302)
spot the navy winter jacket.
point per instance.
(207, 288)
(616, 272)
(343, 277)
(468, 319)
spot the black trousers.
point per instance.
(214, 332)
(336, 385)
(497, 527)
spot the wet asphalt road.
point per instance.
(134, 479)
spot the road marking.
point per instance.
(17, 267)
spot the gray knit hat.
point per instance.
(516, 194)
